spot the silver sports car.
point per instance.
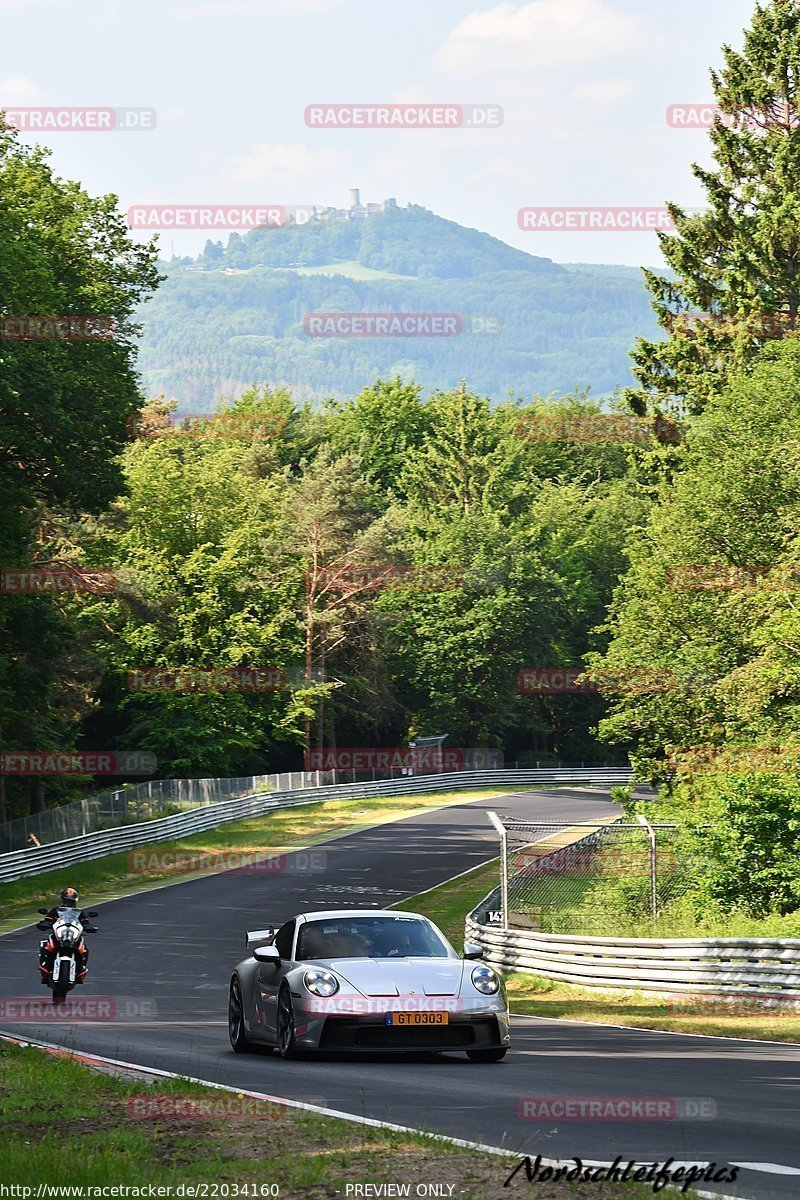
(365, 979)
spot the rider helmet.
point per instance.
(69, 897)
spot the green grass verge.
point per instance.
(351, 269)
(538, 996)
(66, 1124)
(274, 833)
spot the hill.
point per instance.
(235, 315)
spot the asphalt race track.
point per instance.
(165, 959)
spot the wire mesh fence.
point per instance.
(606, 878)
(149, 800)
(129, 805)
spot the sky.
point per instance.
(584, 86)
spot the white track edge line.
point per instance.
(352, 1118)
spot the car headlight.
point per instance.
(321, 983)
(485, 981)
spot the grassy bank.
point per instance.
(66, 1124)
(538, 996)
(274, 833)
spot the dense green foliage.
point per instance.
(736, 265)
(64, 406)
(226, 548)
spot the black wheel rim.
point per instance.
(235, 1013)
(285, 1023)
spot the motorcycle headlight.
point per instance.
(485, 981)
(321, 983)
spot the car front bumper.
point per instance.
(487, 1029)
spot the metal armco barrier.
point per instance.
(729, 966)
(33, 861)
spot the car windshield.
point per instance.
(371, 937)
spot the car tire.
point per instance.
(487, 1056)
(236, 1033)
(284, 1025)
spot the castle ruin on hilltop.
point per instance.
(355, 212)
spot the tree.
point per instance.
(328, 531)
(736, 266)
(704, 628)
(192, 542)
(385, 424)
(64, 406)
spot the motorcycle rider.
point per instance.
(47, 949)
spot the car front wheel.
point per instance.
(287, 1041)
(236, 1019)
(487, 1055)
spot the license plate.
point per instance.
(417, 1018)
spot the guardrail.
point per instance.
(727, 966)
(33, 861)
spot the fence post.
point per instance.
(501, 829)
(653, 896)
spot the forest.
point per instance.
(527, 325)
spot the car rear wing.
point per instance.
(259, 937)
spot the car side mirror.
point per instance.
(267, 954)
(91, 913)
(43, 910)
(472, 950)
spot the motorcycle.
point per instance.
(66, 934)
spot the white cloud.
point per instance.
(172, 115)
(19, 90)
(606, 91)
(543, 34)
(267, 159)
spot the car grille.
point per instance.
(347, 1034)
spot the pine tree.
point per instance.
(736, 266)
